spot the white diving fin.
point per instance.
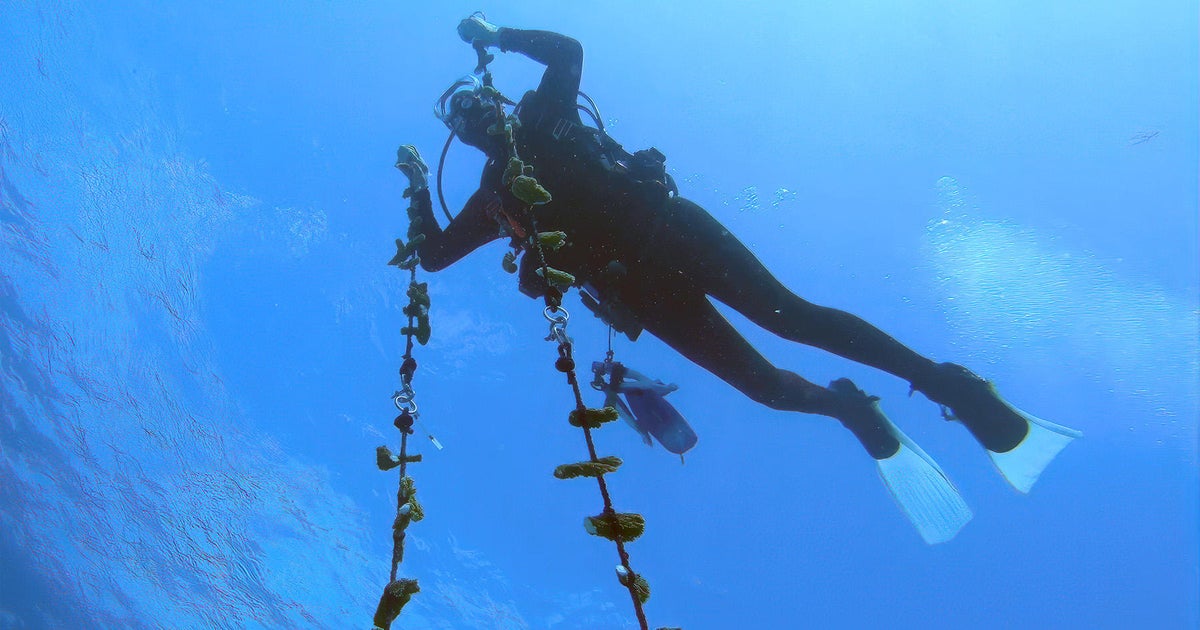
(924, 493)
(1024, 463)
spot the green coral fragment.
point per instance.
(602, 466)
(637, 585)
(405, 252)
(418, 293)
(408, 490)
(418, 512)
(395, 596)
(403, 518)
(384, 458)
(500, 130)
(556, 277)
(528, 189)
(503, 126)
(418, 308)
(592, 418)
(616, 526)
(421, 331)
(514, 168)
(510, 262)
(552, 240)
(641, 589)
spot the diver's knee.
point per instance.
(801, 318)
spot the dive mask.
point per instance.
(464, 94)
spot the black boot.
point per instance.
(923, 492)
(861, 414)
(974, 402)
(1021, 445)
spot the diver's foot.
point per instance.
(861, 414)
(1020, 444)
(973, 401)
(923, 492)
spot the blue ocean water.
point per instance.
(199, 336)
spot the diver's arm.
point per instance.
(562, 56)
(468, 231)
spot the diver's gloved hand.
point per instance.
(410, 163)
(476, 29)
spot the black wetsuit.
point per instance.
(675, 255)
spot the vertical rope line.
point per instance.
(400, 501)
(398, 592)
(566, 350)
(553, 301)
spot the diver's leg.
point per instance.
(1021, 445)
(711, 257)
(683, 318)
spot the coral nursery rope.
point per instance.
(399, 591)
(609, 524)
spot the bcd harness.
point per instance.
(643, 172)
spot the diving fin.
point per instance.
(647, 411)
(611, 399)
(1019, 444)
(924, 493)
(1024, 463)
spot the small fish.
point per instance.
(1142, 136)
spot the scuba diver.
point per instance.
(644, 257)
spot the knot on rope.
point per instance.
(404, 422)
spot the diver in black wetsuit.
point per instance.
(657, 258)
